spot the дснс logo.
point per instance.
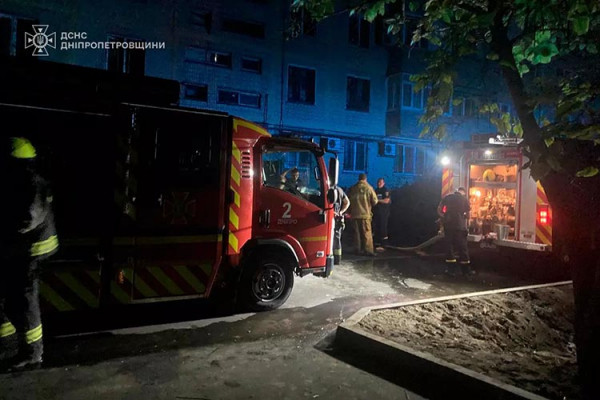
(39, 40)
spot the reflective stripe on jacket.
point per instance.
(28, 228)
(44, 241)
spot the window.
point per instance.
(302, 23)
(218, 58)
(195, 92)
(279, 161)
(252, 64)
(12, 36)
(399, 167)
(410, 160)
(458, 110)
(301, 85)
(465, 109)
(359, 31)
(126, 61)
(179, 158)
(7, 44)
(202, 19)
(469, 108)
(410, 26)
(195, 55)
(420, 161)
(410, 98)
(394, 91)
(504, 108)
(355, 156)
(357, 94)
(252, 29)
(238, 98)
(181, 155)
(380, 31)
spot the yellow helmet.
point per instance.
(22, 148)
(489, 176)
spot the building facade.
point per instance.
(341, 81)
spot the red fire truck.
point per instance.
(155, 202)
(508, 207)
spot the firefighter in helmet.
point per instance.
(454, 212)
(28, 236)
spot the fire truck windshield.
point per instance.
(295, 171)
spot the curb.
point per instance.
(447, 379)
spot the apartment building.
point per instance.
(342, 81)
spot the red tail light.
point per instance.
(444, 209)
(543, 215)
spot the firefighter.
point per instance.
(362, 200)
(28, 236)
(293, 184)
(454, 212)
(340, 207)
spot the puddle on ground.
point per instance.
(414, 284)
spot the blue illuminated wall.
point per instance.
(235, 56)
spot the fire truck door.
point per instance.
(291, 201)
(179, 213)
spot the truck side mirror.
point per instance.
(333, 172)
(332, 196)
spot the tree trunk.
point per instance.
(576, 219)
(575, 232)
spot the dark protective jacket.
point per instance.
(455, 208)
(28, 228)
(382, 194)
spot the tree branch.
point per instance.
(471, 8)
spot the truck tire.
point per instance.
(266, 282)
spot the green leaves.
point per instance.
(518, 130)
(377, 8)
(486, 19)
(592, 48)
(543, 53)
(317, 9)
(581, 25)
(440, 131)
(587, 172)
(446, 16)
(538, 33)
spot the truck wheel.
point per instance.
(267, 282)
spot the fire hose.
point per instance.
(426, 243)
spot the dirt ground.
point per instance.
(523, 338)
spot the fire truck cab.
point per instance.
(508, 207)
(155, 202)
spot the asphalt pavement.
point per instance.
(194, 350)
